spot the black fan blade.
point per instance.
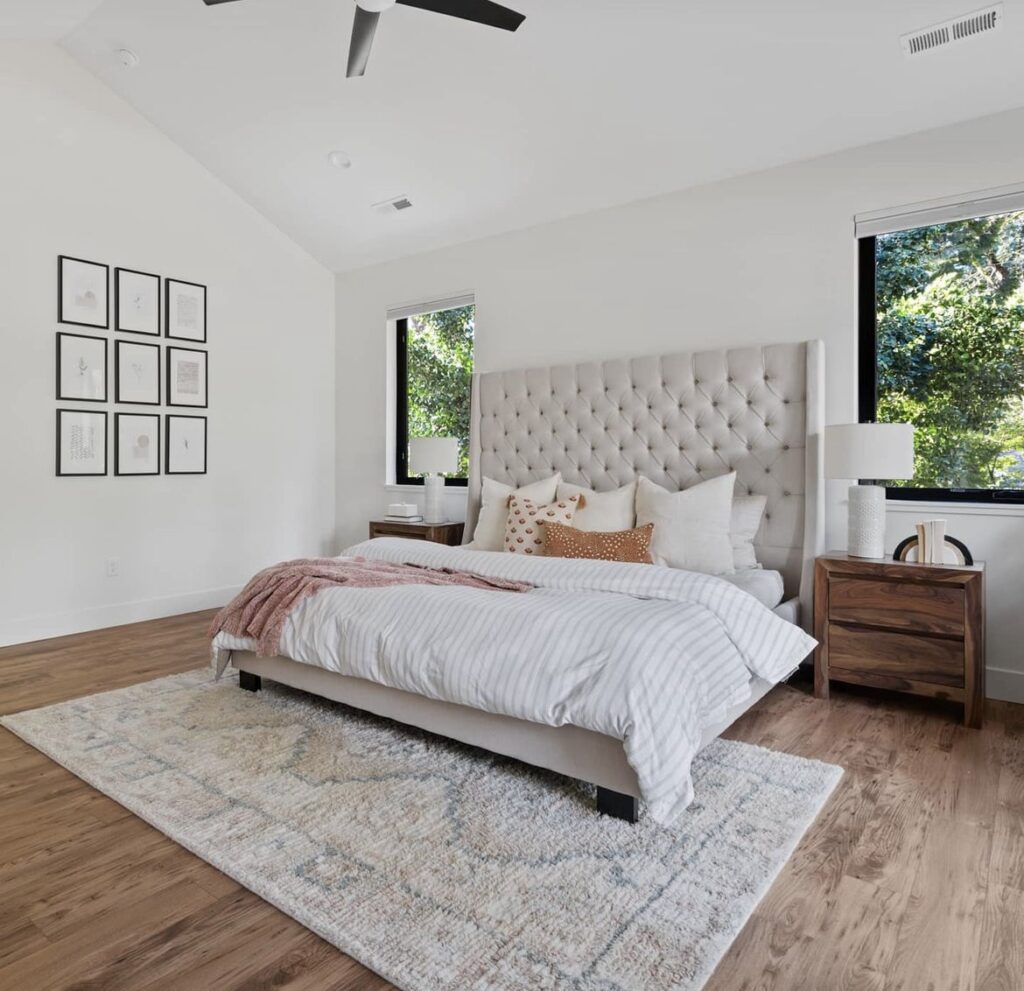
(210, 3)
(481, 11)
(363, 29)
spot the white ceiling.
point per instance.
(590, 103)
(42, 20)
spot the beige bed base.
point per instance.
(570, 750)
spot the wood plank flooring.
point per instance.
(912, 878)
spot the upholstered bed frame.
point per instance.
(677, 419)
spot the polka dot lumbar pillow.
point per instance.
(618, 545)
(524, 530)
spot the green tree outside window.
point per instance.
(439, 366)
(950, 349)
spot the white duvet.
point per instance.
(649, 655)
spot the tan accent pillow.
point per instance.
(615, 545)
(527, 522)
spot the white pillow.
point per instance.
(603, 512)
(691, 528)
(746, 521)
(765, 586)
(489, 534)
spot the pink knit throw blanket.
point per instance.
(259, 611)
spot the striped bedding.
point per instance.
(648, 655)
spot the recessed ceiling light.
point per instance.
(127, 58)
(339, 160)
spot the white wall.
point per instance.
(83, 174)
(765, 257)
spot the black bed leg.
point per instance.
(614, 803)
(250, 682)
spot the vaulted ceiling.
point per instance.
(591, 103)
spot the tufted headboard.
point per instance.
(678, 419)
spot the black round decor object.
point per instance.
(905, 546)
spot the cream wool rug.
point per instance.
(439, 866)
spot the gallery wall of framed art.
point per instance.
(144, 373)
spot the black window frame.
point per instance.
(867, 388)
(402, 476)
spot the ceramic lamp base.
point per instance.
(866, 535)
(433, 499)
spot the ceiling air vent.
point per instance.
(950, 32)
(394, 205)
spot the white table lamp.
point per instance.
(868, 451)
(432, 457)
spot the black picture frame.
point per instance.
(117, 446)
(168, 417)
(61, 259)
(117, 373)
(167, 310)
(118, 272)
(169, 363)
(106, 439)
(61, 334)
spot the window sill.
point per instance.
(933, 506)
(449, 489)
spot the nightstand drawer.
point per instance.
(899, 605)
(439, 533)
(410, 533)
(933, 660)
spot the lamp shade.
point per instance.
(869, 450)
(433, 454)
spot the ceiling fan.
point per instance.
(368, 13)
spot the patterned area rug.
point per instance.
(440, 866)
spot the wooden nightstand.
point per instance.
(917, 628)
(439, 533)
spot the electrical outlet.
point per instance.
(113, 567)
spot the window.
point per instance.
(434, 369)
(942, 347)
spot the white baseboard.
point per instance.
(1001, 683)
(46, 627)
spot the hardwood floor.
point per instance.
(911, 879)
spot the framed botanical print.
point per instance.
(185, 310)
(186, 445)
(81, 442)
(82, 292)
(136, 444)
(187, 377)
(136, 302)
(81, 368)
(136, 373)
